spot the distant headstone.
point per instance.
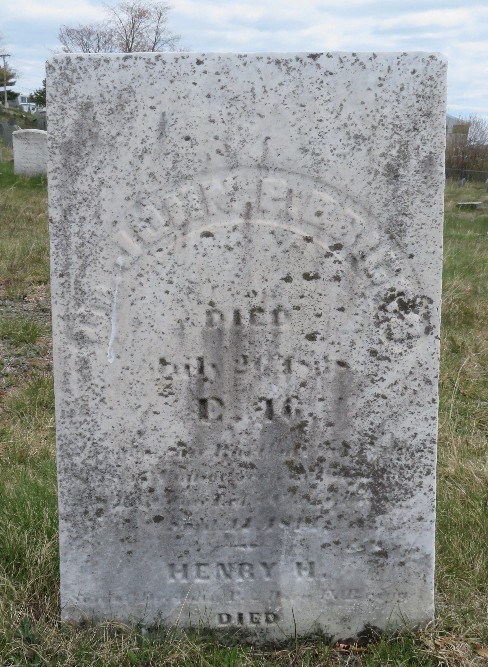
(246, 294)
(41, 119)
(30, 152)
(470, 205)
(7, 128)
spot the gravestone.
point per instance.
(246, 270)
(6, 130)
(41, 119)
(30, 152)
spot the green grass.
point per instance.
(25, 121)
(24, 247)
(462, 511)
(18, 330)
(30, 630)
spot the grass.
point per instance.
(24, 120)
(462, 533)
(30, 630)
(19, 331)
(24, 248)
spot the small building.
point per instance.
(22, 102)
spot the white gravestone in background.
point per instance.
(246, 284)
(30, 152)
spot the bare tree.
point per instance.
(467, 148)
(92, 38)
(131, 26)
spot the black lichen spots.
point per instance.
(287, 278)
(312, 336)
(296, 469)
(308, 239)
(200, 62)
(301, 427)
(187, 137)
(342, 364)
(158, 518)
(407, 306)
(206, 235)
(336, 247)
(380, 357)
(311, 275)
(381, 553)
(314, 56)
(402, 305)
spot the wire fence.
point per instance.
(467, 175)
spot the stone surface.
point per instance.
(6, 131)
(470, 204)
(30, 152)
(246, 284)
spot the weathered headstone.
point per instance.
(41, 119)
(30, 152)
(246, 285)
(6, 131)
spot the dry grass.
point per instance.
(24, 248)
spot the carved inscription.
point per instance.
(275, 363)
(213, 200)
(208, 373)
(235, 571)
(305, 570)
(256, 316)
(247, 618)
(238, 571)
(212, 409)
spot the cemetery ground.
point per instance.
(30, 630)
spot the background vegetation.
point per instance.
(467, 148)
(30, 630)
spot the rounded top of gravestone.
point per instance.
(23, 133)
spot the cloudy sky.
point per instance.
(456, 28)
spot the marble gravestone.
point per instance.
(6, 131)
(246, 261)
(30, 152)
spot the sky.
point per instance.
(456, 28)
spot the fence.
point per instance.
(468, 174)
